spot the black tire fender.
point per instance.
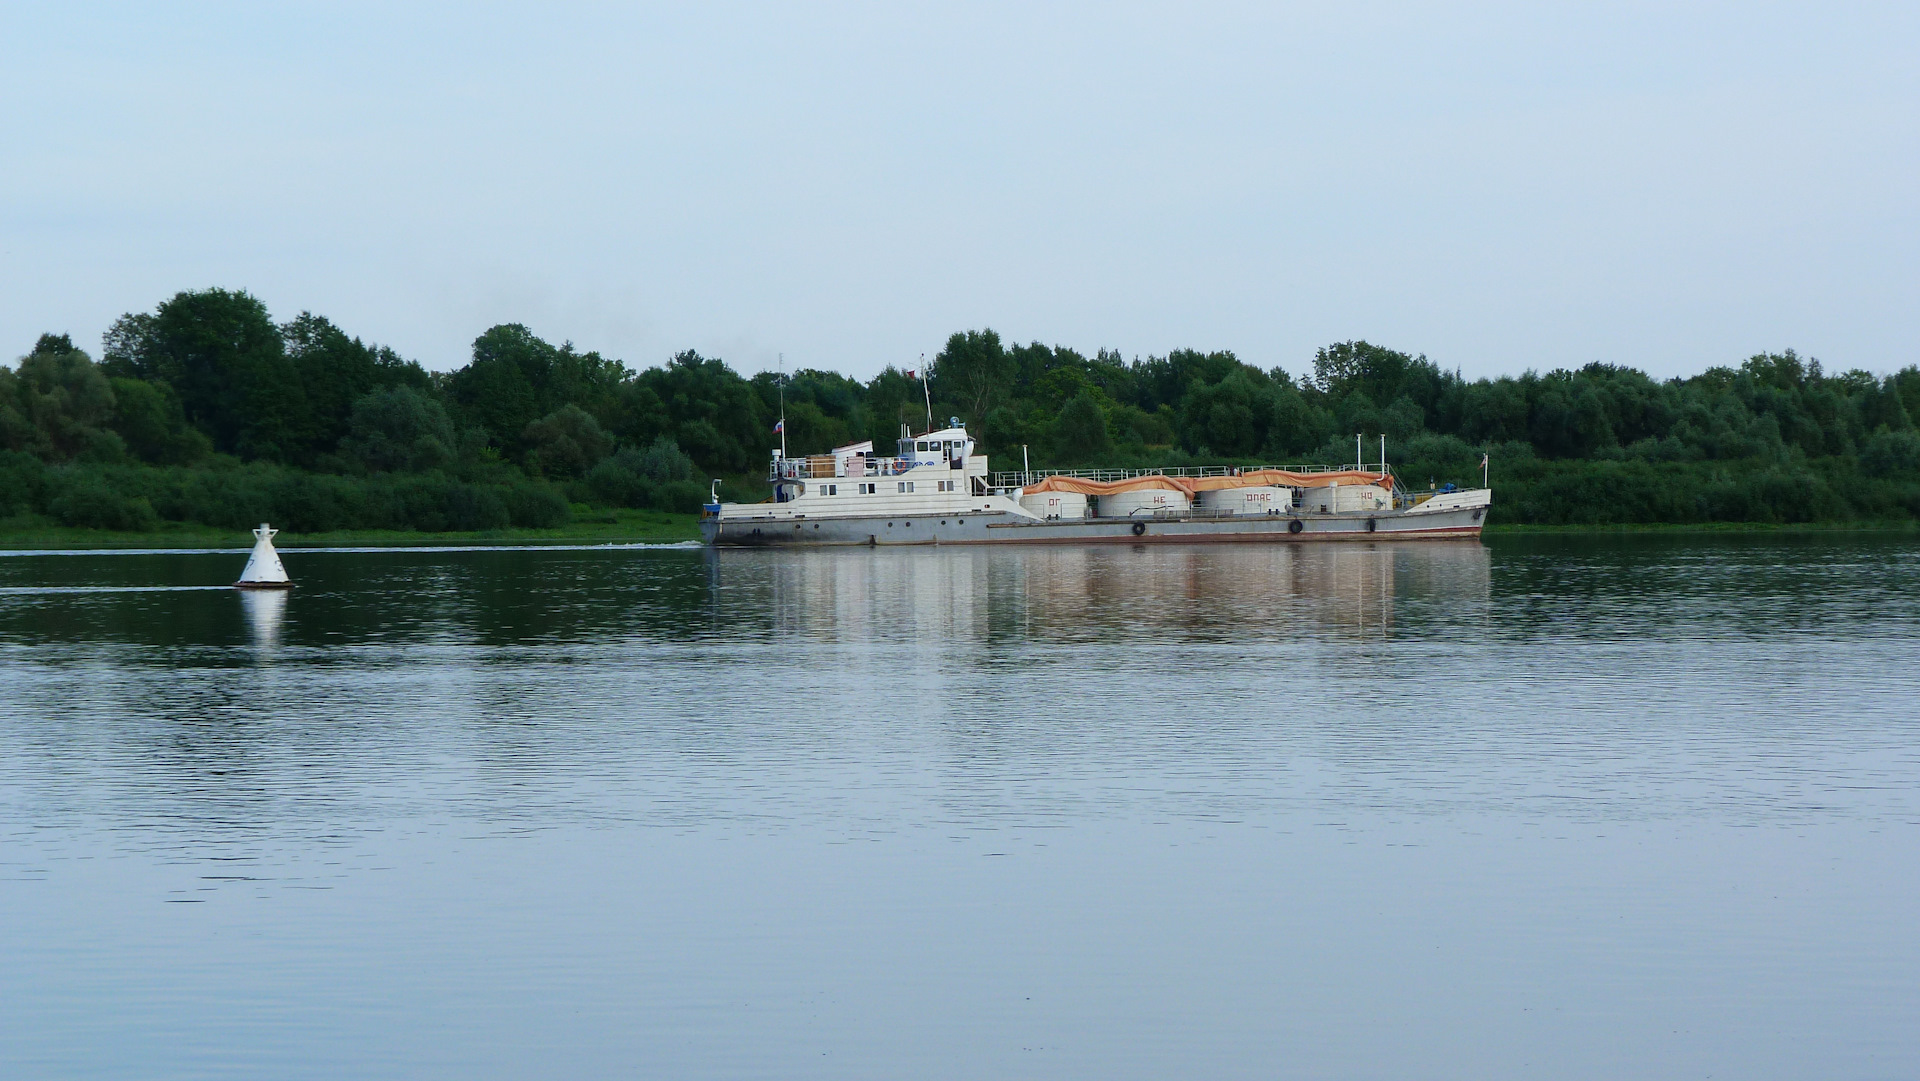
(1296, 526)
(1139, 529)
(1373, 524)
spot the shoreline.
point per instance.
(621, 527)
(660, 527)
(1665, 528)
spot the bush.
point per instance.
(532, 506)
(637, 478)
(682, 496)
(306, 503)
(23, 482)
(565, 443)
(664, 462)
(616, 483)
(234, 499)
(471, 508)
(88, 502)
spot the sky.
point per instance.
(1669, 186)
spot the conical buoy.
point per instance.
(263, 566)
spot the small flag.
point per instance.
(780, 426)
(912, 374)
(1483, 459)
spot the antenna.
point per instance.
(924, 391)
(1383, 452)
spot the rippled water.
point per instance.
(1548, 807)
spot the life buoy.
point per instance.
(1139, 529)
(1296, 526)
(1372, 524)
(901, 466)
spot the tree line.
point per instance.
(206, 410)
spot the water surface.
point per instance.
(1546, 807)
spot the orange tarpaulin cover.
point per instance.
(1252, 478)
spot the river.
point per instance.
(1574, 807)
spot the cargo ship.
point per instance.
(935, 490)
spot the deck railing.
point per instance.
(826, 467)
(1022, 478)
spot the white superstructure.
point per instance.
(934, 473)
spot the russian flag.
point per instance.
(780, 426)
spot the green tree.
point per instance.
(1080, 431)
(335, 373)
(713, 414)
(501, 388)
(972, 370)
(221, 353)
(1230, 417)
(148, 416)
(566, 442)
(398, 428)
(66, 403)
(892, 400)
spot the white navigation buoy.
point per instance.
(263, 566)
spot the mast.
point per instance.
(783, 405)
(928, 394)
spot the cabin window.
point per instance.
(921, 445)
(833, 489)
(946, 486)
(869, 489)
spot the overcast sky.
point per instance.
(1531, 186)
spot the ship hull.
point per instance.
(1000, 528)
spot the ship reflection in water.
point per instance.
(1203, 592)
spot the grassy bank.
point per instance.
(588, 527)
(1502, 529)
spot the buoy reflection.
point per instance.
(265, 609)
